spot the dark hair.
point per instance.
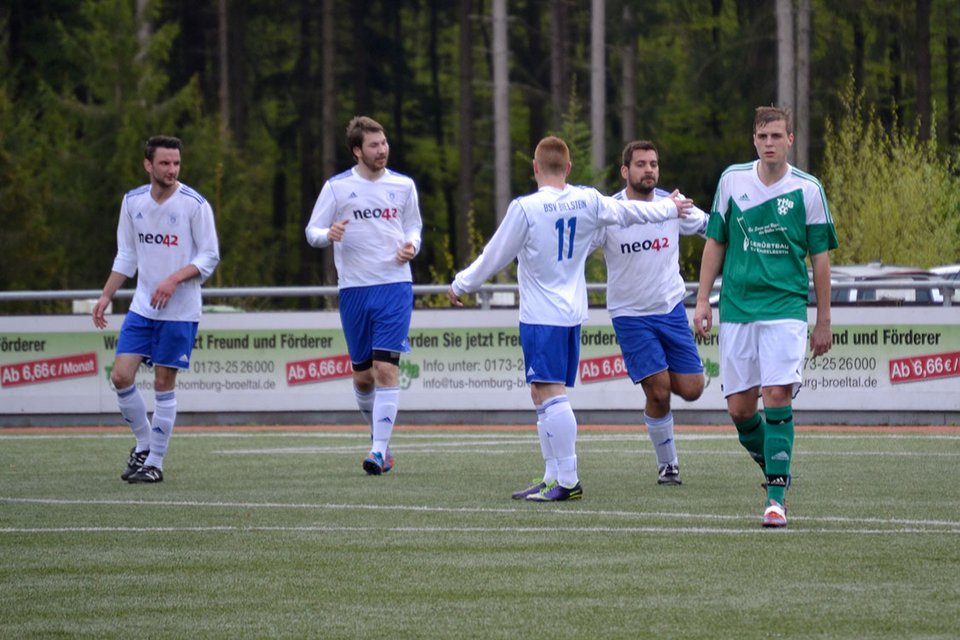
(766, 115)
(358, 127)
(628, 150)
(165, 142)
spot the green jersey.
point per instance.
(769, 231)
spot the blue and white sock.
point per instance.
(134, 411)
(660, 431)
(561, 425)
(164, 415)
(385, 404)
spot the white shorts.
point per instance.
(767, 353)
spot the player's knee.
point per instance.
(740, 415)
(691, 392)
(165, 379)
(120, 379)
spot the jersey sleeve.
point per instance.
(205, 240)
(502, 248)
(821, 234)
(322, 217)
(717, 223)
(126, 260)
(598, 240)
(412, 221)
(695, 224)
(612, 211)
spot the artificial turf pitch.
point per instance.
(277, 532)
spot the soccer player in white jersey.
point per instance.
(372, 216)
(550, 233)
(645, 293)
(167, 238)
(767, 217)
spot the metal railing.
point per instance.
(486, 296)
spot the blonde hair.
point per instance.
(552, 156)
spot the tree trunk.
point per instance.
(534, 96)
(786, 60)
(143, 30)
(501, 111)
(801, 119)
(305, 94)
(559, 61)
(924, 101)
(462, 227)
(328, 124)
(628, 80)
(223, 42)
(598, 84)
(953, 62)
(360, 56)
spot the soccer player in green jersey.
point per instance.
(767, 217)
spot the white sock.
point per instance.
(560, 422)
(164, 415)
(365, 404)
(134, 411)
(660, 431)
(546, 449)
(385, 404)
(567, 472)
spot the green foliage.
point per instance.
(83, 83)
(894, 197)
(26, 261)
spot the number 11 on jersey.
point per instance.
(572, 227)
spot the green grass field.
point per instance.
(267, 534)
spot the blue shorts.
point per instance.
(550, 354)
(376, 317)
(663, 342)
(167, 343)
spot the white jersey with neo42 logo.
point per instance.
(643, 262)
(156, 240)
(383, 215)
(550, 232)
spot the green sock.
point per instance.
(778, 450)
(752, 434)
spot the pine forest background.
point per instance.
(261, 92)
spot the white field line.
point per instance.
(528, 436)
(471, 449)
(755, 530)
(952, 526)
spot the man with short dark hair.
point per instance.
(645, 293)
(166, 236)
